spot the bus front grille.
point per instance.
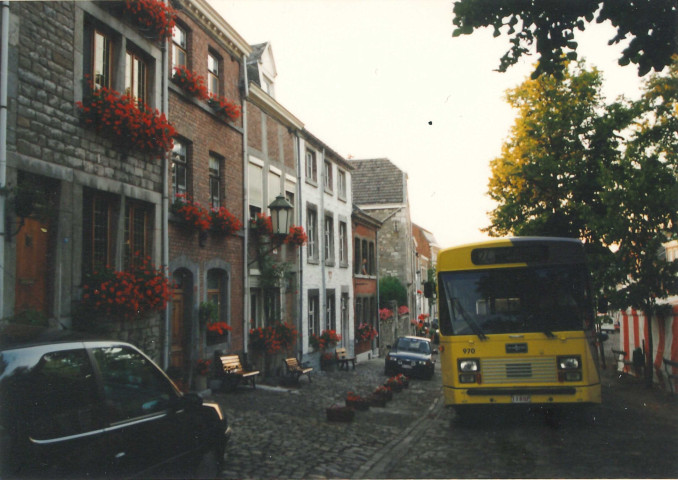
(519, 370)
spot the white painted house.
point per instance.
(326, 260)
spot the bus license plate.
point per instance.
(520, 399)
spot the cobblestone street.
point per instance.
(283, 433)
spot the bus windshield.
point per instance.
(514, 300)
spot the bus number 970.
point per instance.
(469, 351)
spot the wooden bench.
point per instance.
(670, 367)
(233, 372)
(343, 359)
(295, 370)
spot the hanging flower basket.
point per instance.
(127, 122)
(338, 413)
(261, 224)
(193, 214)
(224, 108)
(296, 237)
(190, 82)
(152, 16)
(224, 222)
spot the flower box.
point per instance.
(152, 16)
(361, 404)
(224, 108)
(377, 400)
(190, 82)
(337, 413)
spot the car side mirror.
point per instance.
(191, 401)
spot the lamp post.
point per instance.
(281, 213)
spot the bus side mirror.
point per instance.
(428, 289)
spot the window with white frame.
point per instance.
(341, 184)
(328, 182)
(255, 191)
(343, 244)
(215, 167)
(212, 74)
(101, 59)
(329, 239)
(312, 233)
(330, 309)
(311, 167)
(313, 312)
(178, 47)
(136, 74)
(179, 168)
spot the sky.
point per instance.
(386, 79)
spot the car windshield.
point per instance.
(514, 300)
(413, 345)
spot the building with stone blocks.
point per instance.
(365, 280)
(426, 248)
(327, 287)
(206, 170)
(80, 196)
(380, 189)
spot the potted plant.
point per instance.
(365, 333)
(194, 215)
(153, 16)
(357, 402)
(208, 312)
(297, 236)
(224, 108)
(224, 222)
(190, 82)
(202, 367)
(383, 392)
(340, 413)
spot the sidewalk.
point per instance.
(283, 432)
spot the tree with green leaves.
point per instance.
(549, 27)
(390, 289)
(642, 190)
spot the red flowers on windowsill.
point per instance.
(224, 108)
(218, 328)
(297, 236)
(127, 121)
(224, 222)
(153, 15)
(365, 332)
(190, 82)
(194, 214)
(135, 292)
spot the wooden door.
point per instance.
(32, 244)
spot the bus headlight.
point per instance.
(569, 368)
(469, 370)
(469, 365)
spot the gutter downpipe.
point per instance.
(165, 202)
(300, 314)
(4, 52)
(321, 255)
(245, 201)
(376, 260)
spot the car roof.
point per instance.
(14, 335)
(413, 337)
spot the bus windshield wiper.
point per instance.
(468, 319)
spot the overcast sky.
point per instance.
(385, 78)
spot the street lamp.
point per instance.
(281, 213)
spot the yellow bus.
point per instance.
(516, 323)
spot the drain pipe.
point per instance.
(246, 216)
(300, 278)
(165, 204)
(4, 52)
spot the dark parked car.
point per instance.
(77, 407)
(411, 356)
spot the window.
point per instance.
(178, 47)
(133, 386)
(329, 239)
(357, 263)
(138, 232)
(212, 74)
(311, 167)
(341, 184)
(215, 181)
(365, 268)
(343, 244)
(101, 59)
(289, 196)
(328, 181)
(312, 232)
(313, 312)
(274, 185)
(216, 294)
(136, 71)
(359, 311)
(179, 168)
(63, 396)
(98, 210)
(255, 182)
(271, 305)
(330, 310)
(371, 264)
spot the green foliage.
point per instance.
(390, 288)
(549, 28)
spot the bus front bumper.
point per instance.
(522, 395)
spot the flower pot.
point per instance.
(338, 413)
(377, 401)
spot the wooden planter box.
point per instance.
(362, 404)
(377, 401)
